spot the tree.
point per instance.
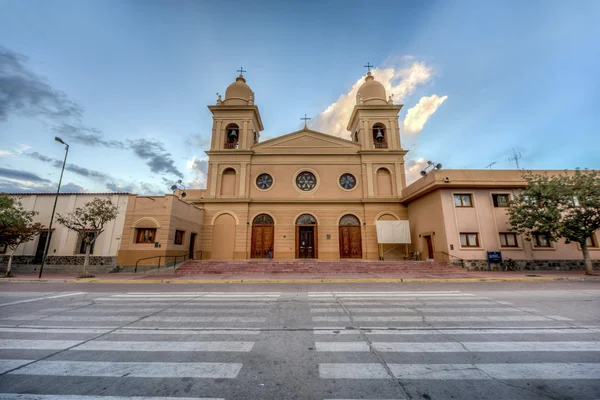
(16, 226)
(89, 222)
(564, 206)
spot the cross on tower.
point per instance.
(241, 70)
(305, 119)
(368, 66)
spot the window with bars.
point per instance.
(179, 237)
(508, 239)
(500, 200)
(469, 239)
(145, 235)
(463, 200)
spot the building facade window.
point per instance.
(379, 136)
(306, 181)
(463, 200)
(347, 181)
(541, 240)
(591, 242)
(508, 239)
(469, 239)
(82, 243)
(500, 200)
(179, 237)
(264, 181)
(145, 235)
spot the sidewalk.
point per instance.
(462, 276)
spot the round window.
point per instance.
(306, 181)
(264, 181)
(347, 181)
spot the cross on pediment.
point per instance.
(305, 119)
(241, 70)
(368, 67)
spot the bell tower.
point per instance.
(374, 125)
(236, 129)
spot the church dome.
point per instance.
(371, 92)
(239, 93)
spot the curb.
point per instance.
(308, 280)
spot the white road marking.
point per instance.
(397, 292)
(24, 344)
(394, 295)
(165, 346)
(450, 318)
(15, 396)
(53, 330)
(205, 319)
(132, 369)
(84, 318)
(419, 309)
(137, 331)
(400, 303)
(476, 331)
(546, 371)
(42, 298)
(7, 365)
(456, 347)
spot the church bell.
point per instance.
(233, 134)
(379, 135)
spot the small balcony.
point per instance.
(231, 145)
(380, 145)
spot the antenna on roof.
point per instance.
(490, 165)
(516, 157)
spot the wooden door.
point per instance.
(306, 242)
(429, 247)
(262, 241)
(192, 244)
(350, 242)
(39, 253)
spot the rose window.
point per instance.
(264, 181)
(347, 181)
(306, 181)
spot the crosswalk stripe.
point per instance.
(452, 318)
(394, 295)
(205, 319)
(53, 330)
(132, 369)
(165, 346)
(456, 347)
(391, 292)
(401, 303)
(78, 318)
(473, 331)
(7, 365)
(41, 298)
(24, 344)
(545, 371)
(421, 309)
(15, 396)
(176, 331)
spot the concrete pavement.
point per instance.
(301, 341)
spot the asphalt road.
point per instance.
(305, 341)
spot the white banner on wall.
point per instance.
(393, 232)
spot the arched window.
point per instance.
(263, 219)
(306, 219)
(379, 136)
(384, 182)
(349, 220)
(232, 136)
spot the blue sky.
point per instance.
(126, 83)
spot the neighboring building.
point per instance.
(306, 194)
(160, 226)
(66, 248)
(460, 215)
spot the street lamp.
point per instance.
(59, 140)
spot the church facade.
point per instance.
(306, 194)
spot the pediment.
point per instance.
(307, 141)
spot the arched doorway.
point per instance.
(306, 237)
(262, 236)
(223, 240)
(350, 237)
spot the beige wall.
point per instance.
(427, 219)
(165, 213)
(63, 241)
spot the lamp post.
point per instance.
(59, 140)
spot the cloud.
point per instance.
(22, 176)
(198, 141)
(417, 116)
(88, 136)
(199, 167)
(413, 169)
(397, 81)
(155, 155)
(115, 187)
(15, 151)
(72, 188)
(24, 93)
(76, 169)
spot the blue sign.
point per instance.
(494, 256)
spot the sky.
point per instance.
(126, 82)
